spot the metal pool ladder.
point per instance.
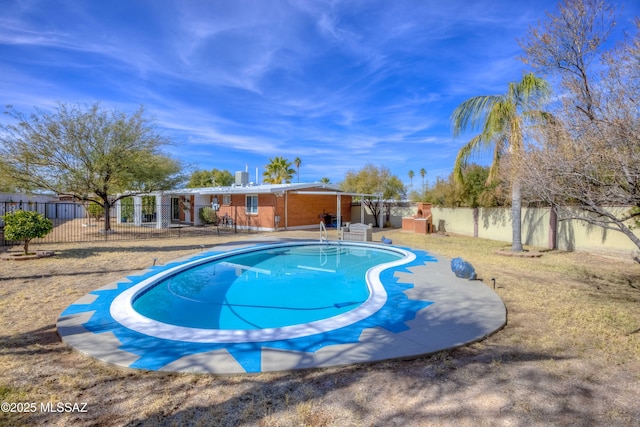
(324, 236)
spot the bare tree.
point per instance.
(584, 178)
(590, 158)
(568, 44)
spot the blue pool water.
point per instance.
(268, 288)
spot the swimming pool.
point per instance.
(424, 308)
(280, 291)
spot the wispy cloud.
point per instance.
(337, 83)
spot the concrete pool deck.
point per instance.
(459, 312)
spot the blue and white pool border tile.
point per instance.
(88, 326)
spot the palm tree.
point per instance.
(411, 175)
(503, 120)
(297, 162)
(325, 180)
(422, 174)
(278, 171)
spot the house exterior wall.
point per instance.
(304, 210)
(309, 210)
(264, 219)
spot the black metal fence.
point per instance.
(79, 222)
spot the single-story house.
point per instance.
(246, 206)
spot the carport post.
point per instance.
(137, 210)
(339, 212)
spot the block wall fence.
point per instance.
(495, 224)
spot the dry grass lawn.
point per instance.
(569, 355)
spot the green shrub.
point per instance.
(25, 226)
(208, 215)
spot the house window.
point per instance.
(226, 199)
(252, 204)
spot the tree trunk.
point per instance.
(107, 216)
(475, 222)
(26, 247)
(374, 210)
(516, 217)
(553, 228)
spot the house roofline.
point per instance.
(253, 189)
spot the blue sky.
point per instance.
(234, 83)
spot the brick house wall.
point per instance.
(307, 209)
(304, 210)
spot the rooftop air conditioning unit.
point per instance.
(242, 178)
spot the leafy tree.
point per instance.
(420, 196)
(444, 192)
(297, 161)
(374, 180)
(25, 226)
(278, 171)
(503, 119)
(6, 184)
(590, 155)
(212, 178)
(89, 152)
(475, 191)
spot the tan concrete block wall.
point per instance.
(495, 224)
(459, 221)
(579, 235)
